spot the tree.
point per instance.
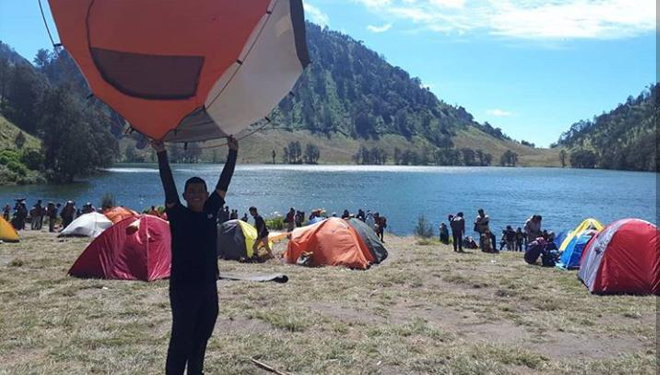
(468, 156)
(312, 154)
(273, 154)
(20, 140)
(583, 158)
(562, 158)
(424, 229)
(75, 141)
(509, 158)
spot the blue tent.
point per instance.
(570, 258)
(316, 220)
(559, 238)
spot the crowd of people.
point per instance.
(513, 240)
(37, 215)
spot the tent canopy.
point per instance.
(623, 258)
(333, 242)
(186, 71)
(584, 225)
(87, 225)
(374, 244)
(570, 258)
(136, 248)
(7, 231)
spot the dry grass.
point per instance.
(427, 310)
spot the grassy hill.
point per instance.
(339, 149)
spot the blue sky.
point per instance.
(531, 67)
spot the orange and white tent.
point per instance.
(333, 242)
(182, 70)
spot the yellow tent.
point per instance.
(7, 232)
(585, 225)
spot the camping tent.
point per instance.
(333, 242)
(235, 240)
(87, 225)
(570, 258)
(117, 214)
(623, 258)
(584, 225)
(375, 246)
(7, 231)
(136, 248)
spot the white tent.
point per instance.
(87, 225)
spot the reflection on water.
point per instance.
(509, 195)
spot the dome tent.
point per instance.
(584, 225)
(87, 225)
(333, 242)
(570, 258)
(623, 259)
(7, 231)
(235, 240)
(136, 248)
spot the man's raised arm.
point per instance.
(171, 196)
(228, 170)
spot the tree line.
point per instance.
(46, 100)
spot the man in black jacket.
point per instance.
(193, 289)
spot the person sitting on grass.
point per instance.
(193, 290)
(262, 233)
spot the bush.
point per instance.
(276, 223)
(17, 167)
(32, 159)
(7, 156)
(424, 229)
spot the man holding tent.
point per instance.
(193, 289)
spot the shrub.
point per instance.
(6, 156)
(32, 159)
(17, 167)
(276, 223)
(424, 229)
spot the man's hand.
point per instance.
(159, 146)
(232, 143)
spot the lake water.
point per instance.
(509, 195)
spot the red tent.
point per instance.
(623, 258)
(136, 248)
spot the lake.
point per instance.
(509, 195)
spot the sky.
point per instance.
(530, 67)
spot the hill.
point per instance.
(624, 138)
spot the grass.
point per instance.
(426, 310)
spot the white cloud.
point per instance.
(499, 113)
(524, 19)
(315, 15)
(379, 29)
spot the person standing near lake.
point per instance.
(67, 213)
(290, 220)
(193, 287)
(6, 212)
(444, 234)
(457, 225)
(482, 225)
(262, 232)
(520, 238)
(51, 212)
(533, 228)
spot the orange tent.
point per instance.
(333, 242)
(117, 214)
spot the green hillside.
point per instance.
(624, 138)
(19, 153)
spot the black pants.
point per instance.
(194, 312)
(457, 237)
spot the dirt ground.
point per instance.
(425, 310)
